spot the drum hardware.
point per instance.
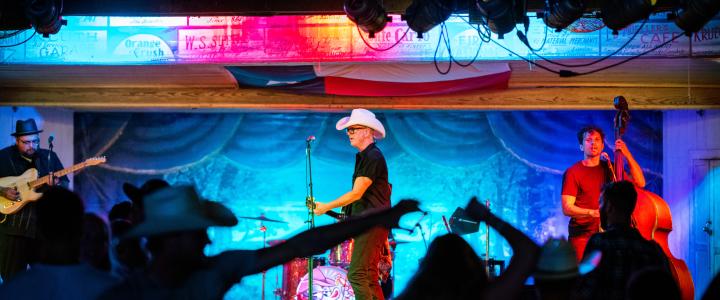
(293, 272)
(263, 229)
(329, 282)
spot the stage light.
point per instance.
(559, 14)
(45, 16)
(423, 15)
(369, 15)
(499, 14)
(618, 14)
(696, 13)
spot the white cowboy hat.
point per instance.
(361, 116)
(180, 208)
(557, 261)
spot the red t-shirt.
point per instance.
(585, 184)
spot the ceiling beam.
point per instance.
(646, 83)
(548, 98)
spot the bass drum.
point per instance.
(340, 255)
(293, 271)
(329, 283)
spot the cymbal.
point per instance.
(262, 218)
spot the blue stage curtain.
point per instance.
(255, 164)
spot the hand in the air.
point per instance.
(403, 207)
(476, 210)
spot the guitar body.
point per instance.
(22, 185)
(654, 222)
(652, 217)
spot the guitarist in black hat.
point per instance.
(17, 231)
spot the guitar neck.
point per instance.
(46, 179)
(335, 215)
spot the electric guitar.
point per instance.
(310, 203)
(26, 184)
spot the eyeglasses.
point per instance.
(351, 130)
(27, 143)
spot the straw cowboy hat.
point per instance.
(25, 127)
(558, 261)
(180, 208)
(361, 116)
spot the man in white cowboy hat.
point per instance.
(17, 231)
(175, 224)
(370, 190)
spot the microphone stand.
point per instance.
(487, 242)
(264, 231)
(311, 214)
(49, 164)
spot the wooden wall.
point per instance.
(680, 83)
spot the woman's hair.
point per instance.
(450, 270)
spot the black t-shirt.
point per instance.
(370, 163)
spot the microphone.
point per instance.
(51, 138)
(310, 138)
(605, 156)
(417, 224)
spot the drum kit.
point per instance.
(329, 275)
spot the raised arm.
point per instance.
(235, 264)
(522, 263)
(360, 185)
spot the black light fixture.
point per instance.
(423, 15)
(45, 16)
(500, 15)
(618, 14)
(559, 14)
(696, 13)
(461, 223)
(369, 15)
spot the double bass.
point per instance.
(651, 216)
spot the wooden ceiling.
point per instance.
(681, 83)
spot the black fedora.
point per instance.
(25, 127)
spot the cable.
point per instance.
(435, 61)
(452, 58)
(445, 37)
(572, 74)
(525, 41)
(533, 50)
(379, 49)
(530, 61)
(9, 35)
(20, 43)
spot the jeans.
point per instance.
(363, 271)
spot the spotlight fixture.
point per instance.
(369, 15)
(423, 15)
(45, 16)
(559, 14)
(500, 15)
(696, 13)
(618, 14)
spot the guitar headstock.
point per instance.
(94, 161)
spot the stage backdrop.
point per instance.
(255, 164)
